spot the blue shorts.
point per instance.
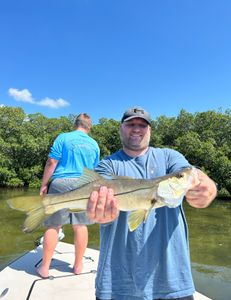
(64, 216)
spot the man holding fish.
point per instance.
(144, 253)
(152, 261)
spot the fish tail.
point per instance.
(25, 203)
(33, 205)
(34, 218)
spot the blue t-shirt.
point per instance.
(151, 262)
(74, 150)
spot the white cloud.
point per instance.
(53, 103)
(2, 105)
(26, 96)
(23, 95)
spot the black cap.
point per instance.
(136, 112)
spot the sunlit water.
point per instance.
(209, 234)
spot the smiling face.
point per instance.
(135, 136)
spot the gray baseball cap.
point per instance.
(136, 112)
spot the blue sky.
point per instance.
(104, 56)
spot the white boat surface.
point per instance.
(19, 281)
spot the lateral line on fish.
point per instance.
(128, 192)
(68, 201)
(117, 194)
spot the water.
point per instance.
(13, 242)
(210, 248)
(209, 235)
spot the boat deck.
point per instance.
(20, 281)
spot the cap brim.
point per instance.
(137, 117)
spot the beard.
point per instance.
(135, 144)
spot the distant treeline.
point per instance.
(204, 138)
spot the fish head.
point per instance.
(168, 191)
(172, 190)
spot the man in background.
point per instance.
(70, 153)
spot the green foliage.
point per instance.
(35, 183)
(165, 130)
(15, 182)
(25, 140)
(223, 193)
(106, 133)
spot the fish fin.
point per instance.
(25, 203)
(87, 177)
(35, 210)
(35, 217)
(148, 212)
(136, 218)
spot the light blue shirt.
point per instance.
(74, 150)
(153, 261)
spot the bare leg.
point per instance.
(49, 243)
(80, 240)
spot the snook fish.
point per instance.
(136, 195)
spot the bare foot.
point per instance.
(77, 269)
(42, 272)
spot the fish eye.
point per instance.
(153, 201)
(181, 175)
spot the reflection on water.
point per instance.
(210, 248)
(212, 281)
(209, 234)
